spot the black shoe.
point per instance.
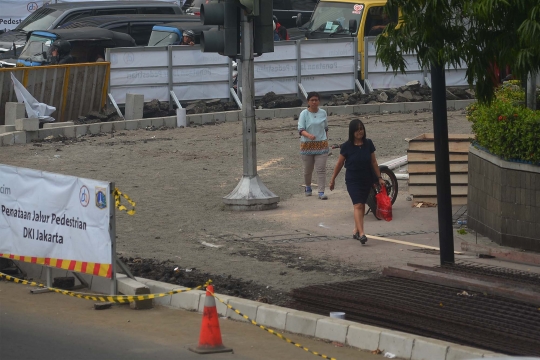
(363, 239)
(356, 236)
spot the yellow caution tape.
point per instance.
(120, 207)
(120, 299)
(281, 336)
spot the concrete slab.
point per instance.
(27, 124)
(169, 121)
(94, 128)
(301, 322)
(429, 349)
(188, 300)
(367, 109)
(31, 136)
(220, 117)
(207, 118)
(194, 119)
(458, 352)
(101, 285)
(106, 127)
(392, 108)
(462, 104)
(134, 106)
(14, 111)
(131, 124)
(81, 130)
(288, 112)
(272, 316)
(363, 337)
(232, 115)
(157, 287)
(450, 104)
(246, 307)
(118, 125)
(69, 131)
(397, 343)
(7, 139)
(339, 110)
(265, 114)
(416, 106)
(332, 329)
(7, 128)
(144, 123)
(57, 124)
(157, 122)
(20, 137)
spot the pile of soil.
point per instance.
(171, 273)
(209, 106)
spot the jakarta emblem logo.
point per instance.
(101, 198)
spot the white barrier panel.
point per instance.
(154, 71)
(326, 65)
(55, 220)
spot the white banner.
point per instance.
(150, 93)
(15, 11)
(55, 220)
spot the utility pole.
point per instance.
(255, 18)
(442, 163)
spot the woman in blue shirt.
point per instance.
(313, 129)
(358, 156)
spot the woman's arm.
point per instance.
(337, 169)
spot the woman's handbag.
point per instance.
(384, 205)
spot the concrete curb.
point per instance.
(70, 131)
(361, 336)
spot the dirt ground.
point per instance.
(178, 178)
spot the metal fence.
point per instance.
(74, 89)
(378, 77)
(326, 65)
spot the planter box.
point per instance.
(421, 167)
(504, 200)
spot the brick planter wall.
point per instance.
(504, 200)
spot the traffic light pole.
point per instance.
(250, 193)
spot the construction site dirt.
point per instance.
(182, 234)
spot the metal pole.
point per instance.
(250, 193)
(248, 108)
(442, 163)
(112, 233)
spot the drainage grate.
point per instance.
(473, 319)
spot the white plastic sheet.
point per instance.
(34, 109)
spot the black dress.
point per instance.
(359, 176)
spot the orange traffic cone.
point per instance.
(210, 337)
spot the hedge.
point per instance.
(506, 127)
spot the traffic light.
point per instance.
(263, 30)
(226, 40)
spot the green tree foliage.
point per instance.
(473, 33)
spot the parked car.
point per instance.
(87, 44)
(52, 16)
(139, 27)
(171, 33)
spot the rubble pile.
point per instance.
(412, 92)
(209, 106)
(272, 101)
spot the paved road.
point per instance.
(53, 326)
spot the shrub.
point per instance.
(506, 127)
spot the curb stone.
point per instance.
(70, 131)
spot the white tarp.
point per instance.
(34, 109)
(57, 220)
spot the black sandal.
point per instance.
(363, 239)
(356, 236)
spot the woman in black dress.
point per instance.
(358, 156)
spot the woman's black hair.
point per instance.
(354, 126)
(312, 94)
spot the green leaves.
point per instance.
(481, 34)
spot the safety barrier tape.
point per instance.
(279, 335)
(120, 299)
(117, 194)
